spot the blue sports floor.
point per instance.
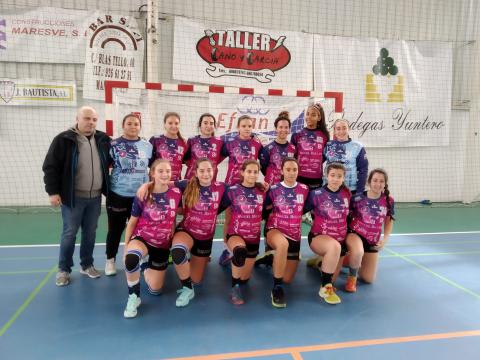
(424, 305)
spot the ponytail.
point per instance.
(387, 198)
(191, 194)
(386, 191)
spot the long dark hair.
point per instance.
(321, 124)
(386, 191)
(204, 115)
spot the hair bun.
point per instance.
(284, 114)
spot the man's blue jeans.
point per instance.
(85, 214)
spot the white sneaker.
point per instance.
(110, 269)
(132, 304)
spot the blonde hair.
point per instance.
(191, 194)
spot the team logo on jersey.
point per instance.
(260, 199)
(180, 149)
(215, 195)
(172, 203)
(299, 198)
(243, 54)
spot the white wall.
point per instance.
(433, 173)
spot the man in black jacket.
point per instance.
(75, 175)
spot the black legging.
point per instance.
(118, 211)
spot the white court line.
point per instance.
(221, 239)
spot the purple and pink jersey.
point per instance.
(246, 205)
(156, 220)
(197, 148)
(330, 210)
(271, 157)
(238, 151)
(172, 150)
(309, 145)
(368, 216)
(288, 204)
(200, 220)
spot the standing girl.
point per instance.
(245, 201)
(149, 232)
(205, 145)
(283, 228)
(170, 146)
(244, 146)
(370, 210)
(272, 155)
(130, 157)
(330, 206)
(194, 235)
(342, 149)
(309, 143)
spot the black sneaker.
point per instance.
(278, 297)
(266, 260)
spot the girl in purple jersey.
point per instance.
(170, 146)
(369, 211)
(149, 232)
(205, 145)
(244, 146)
(201, 203)
(272, 155)
(245, 201)
(309, 143)
(283, 229)
(330, 205)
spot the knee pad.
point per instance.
(239, 256)
(132, 261)
(179, 254)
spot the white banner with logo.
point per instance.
(395, 93)
(263, 110)
(44, 35)
(241, 56)
(32, 92)
(114, 52)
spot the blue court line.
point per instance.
(443, 278)
(28, 301)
